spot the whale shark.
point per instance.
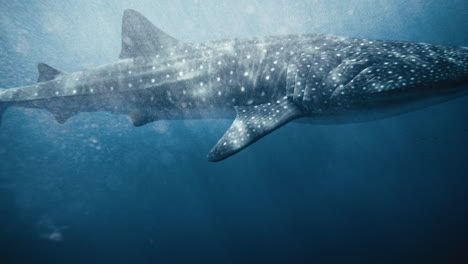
(264, 82)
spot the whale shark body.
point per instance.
(266, 82)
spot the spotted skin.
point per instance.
(266, 81)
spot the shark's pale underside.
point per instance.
(266, 81)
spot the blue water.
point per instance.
(98, 190)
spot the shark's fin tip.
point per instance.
(212, 157)
(141, 118)
(62, 118)
(46, 72)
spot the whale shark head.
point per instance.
(399, 76)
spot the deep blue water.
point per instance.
(98, 190)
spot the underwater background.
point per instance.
(98, 190)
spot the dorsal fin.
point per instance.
(141, 38)
(46, 73)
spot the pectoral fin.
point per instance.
(251, 124)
